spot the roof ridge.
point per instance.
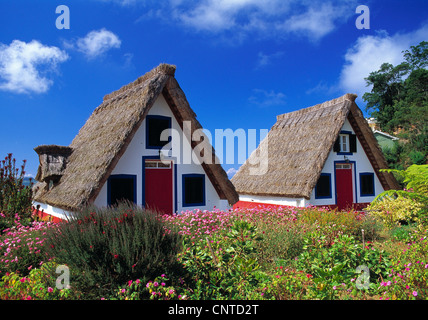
(349, 96)
(163, 68)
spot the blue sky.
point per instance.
(239, 62)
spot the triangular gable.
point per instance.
(105, 136)
(298, 146)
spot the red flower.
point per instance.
(116, 256)
(309, 276)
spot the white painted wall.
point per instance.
(283, 201)
(362, 164)
(131, 163)
(53, 211)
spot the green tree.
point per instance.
(399, 102)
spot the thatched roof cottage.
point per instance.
(324, 155)
(117, 155)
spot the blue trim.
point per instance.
(183, 177)
(354, 185)
(371, 174)
(148, 117)
(121, 176)
(175, 188)
(349, 144)
(324, 197)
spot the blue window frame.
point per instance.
(121, 187)
(193, 189)
(367, 187)
(346, 143)
(154, 126)
(323, 187)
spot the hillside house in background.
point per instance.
(116, 156)
(325, 155)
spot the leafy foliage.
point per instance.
(399, 102)
(15, 197)
(410, 204)
(106, 247)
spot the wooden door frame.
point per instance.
(174, 179)
(354, 178)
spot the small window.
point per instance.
(193, 190)
(323, 186)
(121, 188)
(367, 184)
(155, 125)
(346, 143)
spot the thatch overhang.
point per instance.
(298, 145)
(104, 138)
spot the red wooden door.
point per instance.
(158, 186)
(344, 190)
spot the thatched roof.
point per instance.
(298, 145)
(107, 133)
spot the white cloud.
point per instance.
(368, 54)
(96, 43)
(265, 98)
(317, 21)
(23, 66)
(267, 59)
(231, 172)
(269, 18)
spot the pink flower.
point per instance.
(414, 293)
(50, 289)
(123, 290)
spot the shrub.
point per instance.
(15, 198)
(223, 266)
(105, 247)
(394, 211)
(153, 290)
(22, 247)
(336, 264)
(410, 204)
(408, 274)
(37, 285)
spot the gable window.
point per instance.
(120, 188)
(323, 186)
(367, 184)
(346, 143)
(193, 190)
(155, 125)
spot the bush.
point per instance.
(394, 211)
(407, 277)
(334, 264)
(22, 247)
(223, 266)
(106, 247)
(15, 198)
(37, 285)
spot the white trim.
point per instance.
(53, 211)
(385, 134)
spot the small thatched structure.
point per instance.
(298, 145)
(106, 135)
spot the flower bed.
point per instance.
(281, 253)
